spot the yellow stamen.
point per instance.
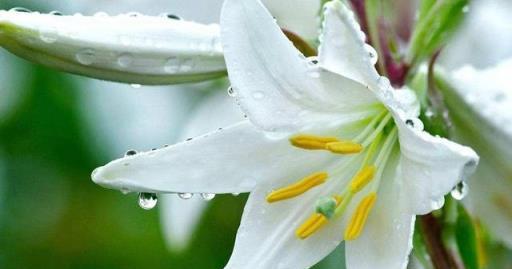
(362, 178)
(297, 188)
(314, 222)
(305, 141)
(359, 218)
(344, 147)
(311, 225)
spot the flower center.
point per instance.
(376, 141)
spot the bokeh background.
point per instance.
(55, 128)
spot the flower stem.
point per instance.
(440, 256)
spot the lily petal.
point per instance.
(432, 166)
(266, 237)
(390, 224)
(276, 86)
(206, 164)
(343, 49)
(125, 48)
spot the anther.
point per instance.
(311, 225)
(305, 141)
(297, 188)
(359, 218)
(362, 178)
(344, 147)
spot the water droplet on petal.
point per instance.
(371, 53)
(147, 200)
(100, 14)
(136, 86)
(460, 191)
(170, 16)
(185, 195)
(56, 13)
(207, 196)
(415, 123)
(313, 60)
(125, 60)
(86, 56)
(130, 152)
(258, 95)
(231, 92)
(125, 191)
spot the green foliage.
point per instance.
(438, 20)
(465, 236)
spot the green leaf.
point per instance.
(438, 20)
(466, 238)
(425, 7)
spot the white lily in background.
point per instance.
(481, 103)
(487, 45)
(367, 167)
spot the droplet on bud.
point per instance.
(86, 56)
(147, 200)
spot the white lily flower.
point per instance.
(481, 103)
(129, 48)
(367, 167)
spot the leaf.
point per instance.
(128, 48)
(466, 238)
(438, 20)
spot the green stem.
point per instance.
(440, 256)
